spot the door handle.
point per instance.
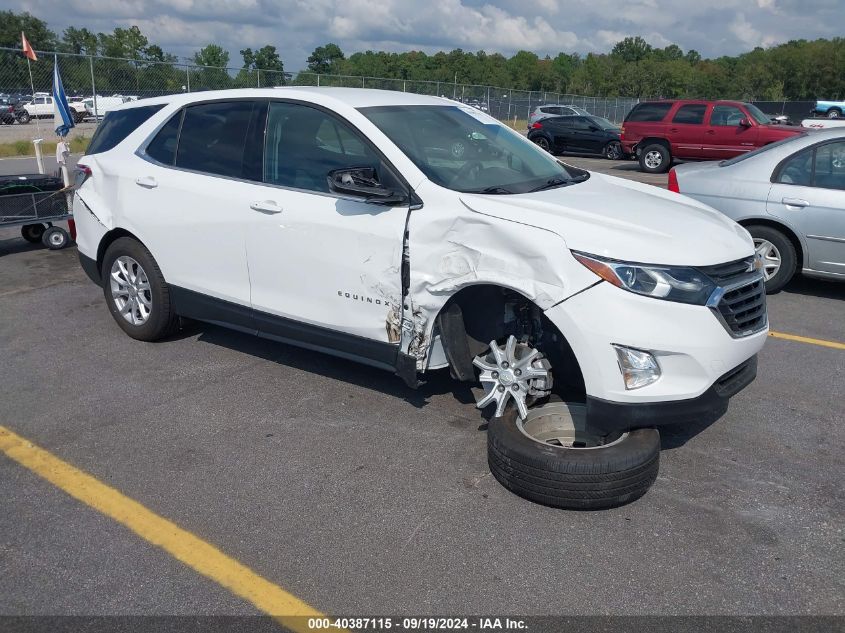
(266, 206)
(711, 131)
(674, 129)
(795, 202)
(148, 182)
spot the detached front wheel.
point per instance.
(551, 458)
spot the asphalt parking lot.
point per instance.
(357, 495)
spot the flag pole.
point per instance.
(32, 85)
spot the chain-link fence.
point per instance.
(114, 79)
(108, 77)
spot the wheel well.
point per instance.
(107, 240)
(799, 251)
(654, 141)
(478, 314)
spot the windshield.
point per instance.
(760, 150)
(757, 114)
(465, 150)
(604, 124)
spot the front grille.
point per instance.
(743, 307)
(724, 274)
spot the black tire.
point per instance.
(162, 319)
(786, 250)
(613, 151)
(543, 143)
(834, 113)
(24, 118)
(55, 238)
(572, 478)
(78, 117)
(648, 156)
(32, 233)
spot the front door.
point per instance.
(323, 268)
(725, 137)
(809, 193)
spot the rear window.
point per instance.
(117, 125)
(648, 112)
(163, 147)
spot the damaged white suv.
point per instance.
(415, 233)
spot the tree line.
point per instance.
(796, 70)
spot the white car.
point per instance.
(341, 220)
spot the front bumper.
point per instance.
(702, 365)
(608, 416)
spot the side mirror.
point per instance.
(744, 123)
(363, 182)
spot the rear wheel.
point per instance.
(543, 143)
(136, 292)
(655, 158)
(55, 238)
(834, 113)
(778, 254)
(24, 117)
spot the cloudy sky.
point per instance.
(295, 27)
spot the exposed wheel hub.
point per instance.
(515, 371)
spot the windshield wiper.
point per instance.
(553, 182)
(494, 190)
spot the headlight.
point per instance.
(684, 285)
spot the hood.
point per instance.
(625, 220)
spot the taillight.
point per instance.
(673, 181)
(83, 173)
(622, 134)
(536, 126)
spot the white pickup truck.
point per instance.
(41, 107)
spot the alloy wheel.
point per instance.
(653, 159)
(130, 290)
(514, 371)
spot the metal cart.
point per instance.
(34, 202)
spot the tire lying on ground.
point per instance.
(546, 458)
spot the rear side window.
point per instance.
(214, 138)
(649, 112)
(163, 147)
(797, 169)
(117, 125)
(692, 113)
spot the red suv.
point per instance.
(658, 131)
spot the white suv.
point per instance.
(344, 221)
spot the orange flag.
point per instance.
(27, 48)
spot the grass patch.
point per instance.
(78, 144)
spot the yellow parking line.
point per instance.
(805, 339)
(197, 554)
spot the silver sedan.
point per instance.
(790, 195)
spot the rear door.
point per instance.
(580, 134)
(724, 137)
(808, 193)
(560, 129)
(190, 194)
(686, 130)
